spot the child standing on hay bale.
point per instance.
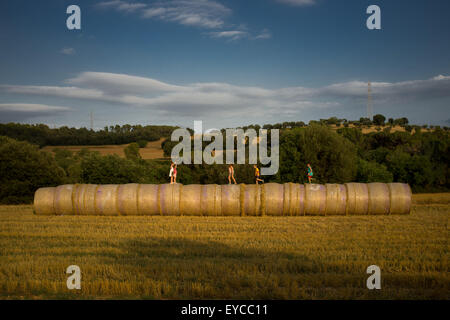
(171, 173)
(231, 174)
(175, 173)
(310, 173)
(257, 175)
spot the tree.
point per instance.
(379, 119)
(24, 169)
(132, 151)
(332, 157)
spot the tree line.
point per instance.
(337, 156)
(42, 135)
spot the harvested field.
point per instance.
(226, 257)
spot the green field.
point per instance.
(226, 257)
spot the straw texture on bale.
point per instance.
(357, 198)
(169, 199)
(106, 200)
(315, 199)
(251, 200)
(400, 197)
(231, 200)
(127, 199)
(63, 199)
(43, 201)
(147, 199)
(211, 200)
(379, 202)
(271, 199)
(190, 199)
(336, 199)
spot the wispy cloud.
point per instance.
(24, 111)
(232, 34)
(68, 51)
(122, 5)
(200, 13)
(205, 14)
(226, 99)
(298, 2)
(265, 34)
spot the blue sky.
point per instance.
(228, 63)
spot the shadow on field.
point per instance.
(184, 268)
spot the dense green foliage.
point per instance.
(337, 156)
(24, 169)
(42, 135)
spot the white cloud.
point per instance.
(298, 2)
(31, 107)
(265, 34)
(200, 13)
(228, 100)
(122, 5)
(68, 51)
(207, 14)
(232, 34)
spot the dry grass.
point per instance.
(225, 257)
(153, 149)
(431, 198)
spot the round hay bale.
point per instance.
(211, 200)
(251, 200)
(106, 200)
(315, 199)
(273, 199)
(147, 199)
(231, 194)
(63, 199)
(169, 199)
(336, 199)
(127, 199)
(357, 198)
(190, 200)
(379, 200)
(83, 200)
(400, 195)
(43, 201)
(293, 204)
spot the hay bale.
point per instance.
(315, 199)
(127, 199)
(43, 201)
(63, 199)
(229, 200)
(273, 199)
(231, 196)
(357, 198)
(147, 199)
(211, 200)
(190, 200)
(83, 199)
(400, 198)
(106, 200)
(379, 201)
(251, 200)
(169, 199)
(336, 202)
(293, 203)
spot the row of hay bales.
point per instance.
(273, 199)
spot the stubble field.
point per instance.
(227, 257)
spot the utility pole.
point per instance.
(92, 121)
